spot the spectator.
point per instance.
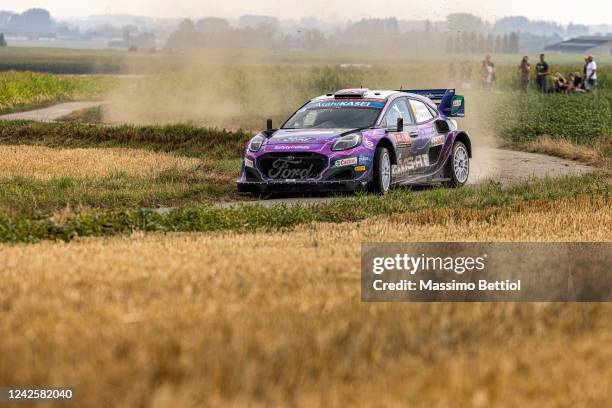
(487, 73)
(559, 83)
(542, 72)
(466, 74)
(575, 83)
(525, 69)
(591, 74)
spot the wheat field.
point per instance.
(257, 318)
(44, 162)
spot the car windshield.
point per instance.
(333, 118)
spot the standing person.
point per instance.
(542, 71)
(525, 69)
(487, 73)
(591, 73)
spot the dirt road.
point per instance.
(488, 164)
(51, 113)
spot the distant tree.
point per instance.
(575, 30)
(506, 44)
(185, 37)
(450, 45)
(32, 20)
(490, 45)
(482, 43)
(498, 44)
(2, 40)
(465, 42)
(464, 22)
(212, 24)
(507, 24)
(513, 43)
(473, 43)
(313, 39)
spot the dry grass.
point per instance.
(45, 163)
(563, 148)
(193, 319)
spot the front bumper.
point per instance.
(300, 186)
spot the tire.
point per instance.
(383, 171)
(458, 166)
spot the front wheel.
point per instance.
(458, 169)
(381, 180)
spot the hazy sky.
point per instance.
(565, 11)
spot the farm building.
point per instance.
(593, 44)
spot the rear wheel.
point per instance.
(458, 167)
(381, 180)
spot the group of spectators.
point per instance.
(578, 81)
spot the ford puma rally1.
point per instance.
(358, 139)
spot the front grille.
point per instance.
(292, 166)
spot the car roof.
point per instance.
(368, 94)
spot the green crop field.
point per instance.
(24, 90)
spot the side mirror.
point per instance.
(269, 124)
(400, 124)
(442, 126)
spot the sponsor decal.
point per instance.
(369, 144)
(365, 159)
(290, 147)
(248, 163)
(411, 163)
(298, 139)
(349, 161)
(403, 139)
(457, 103)
(360, 168)
(437, 140)
(347, 104)
(283, 169)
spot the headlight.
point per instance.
(347, 142)
(256, 142)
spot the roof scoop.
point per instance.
(354, 93)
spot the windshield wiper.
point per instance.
(355, 130)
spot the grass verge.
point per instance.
(184, 140)
(253, 217)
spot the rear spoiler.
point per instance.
(448, 103)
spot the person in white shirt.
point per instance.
(591, 73)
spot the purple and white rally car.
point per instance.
(361, 139)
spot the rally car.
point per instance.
(358, 139)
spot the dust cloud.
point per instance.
(237, 93)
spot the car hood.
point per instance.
(304, 136)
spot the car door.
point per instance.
(400, 108)
(425, 127)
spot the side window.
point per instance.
(420, 110)
(399, 109)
